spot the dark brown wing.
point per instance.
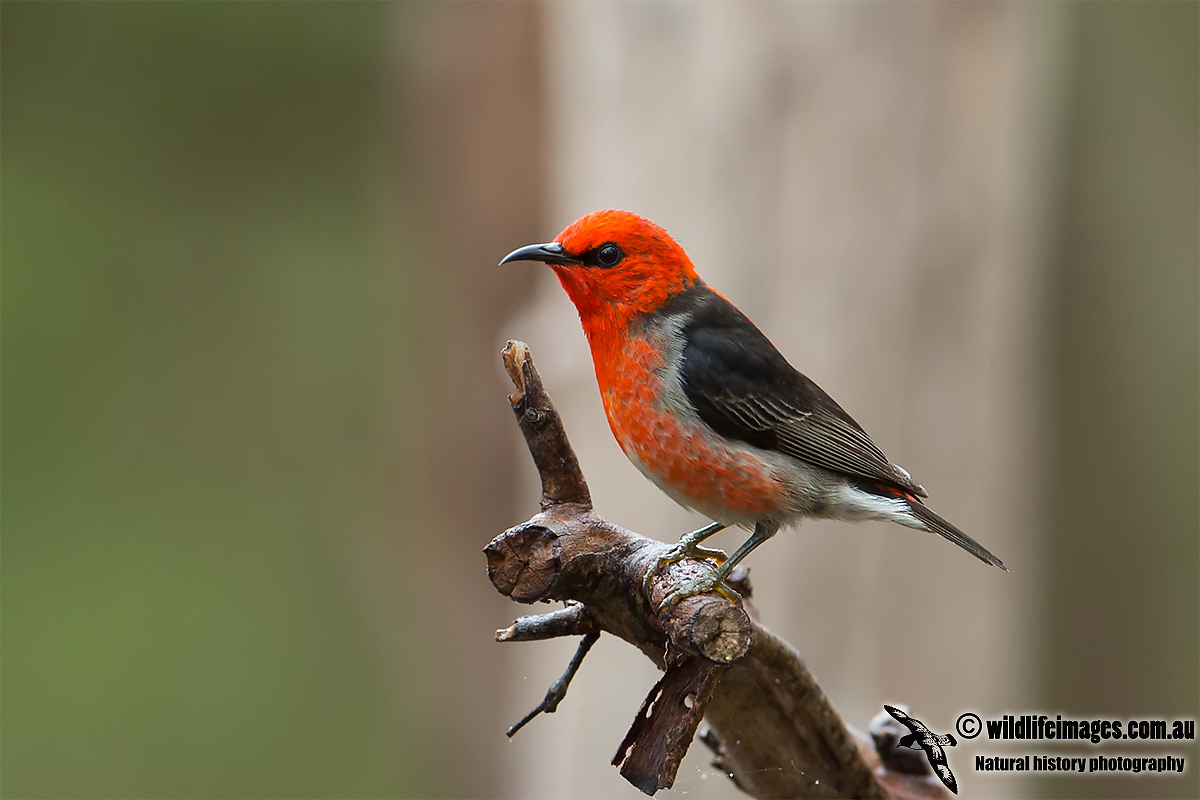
(745, 389)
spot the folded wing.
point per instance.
(745, 389)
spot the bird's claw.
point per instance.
(680, 551)
(712, 582)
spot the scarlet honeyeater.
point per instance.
(705, 406)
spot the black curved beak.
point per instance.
(550, 253)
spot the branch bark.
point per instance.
(770, 726)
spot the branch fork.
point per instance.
(763, 708)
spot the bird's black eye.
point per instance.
(608, 255)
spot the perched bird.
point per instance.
(705, 406)
(921, 738)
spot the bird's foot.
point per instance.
(678, 552)
(712, 582)
(688, 547)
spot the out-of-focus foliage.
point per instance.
(194, 309)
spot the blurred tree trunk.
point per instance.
(465, 183)
(1122, 594)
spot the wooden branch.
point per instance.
(667, 719)
(558, 689)
(562, 479)
(769, 724)
(574, 620)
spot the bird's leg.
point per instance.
(711, 581)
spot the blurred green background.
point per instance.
(248, 341)
(194, 309)
(219, 227)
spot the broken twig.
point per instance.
(558, 689)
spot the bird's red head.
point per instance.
(614, 266)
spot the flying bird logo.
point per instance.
(921, 738)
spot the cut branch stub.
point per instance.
(523, 563)
(708, 624)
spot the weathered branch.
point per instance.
(666, 723)
(769, 724)
(558, 689)
(574, 620)
(562, 479)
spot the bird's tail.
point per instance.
(932, 522)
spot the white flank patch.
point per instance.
(856, 505)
